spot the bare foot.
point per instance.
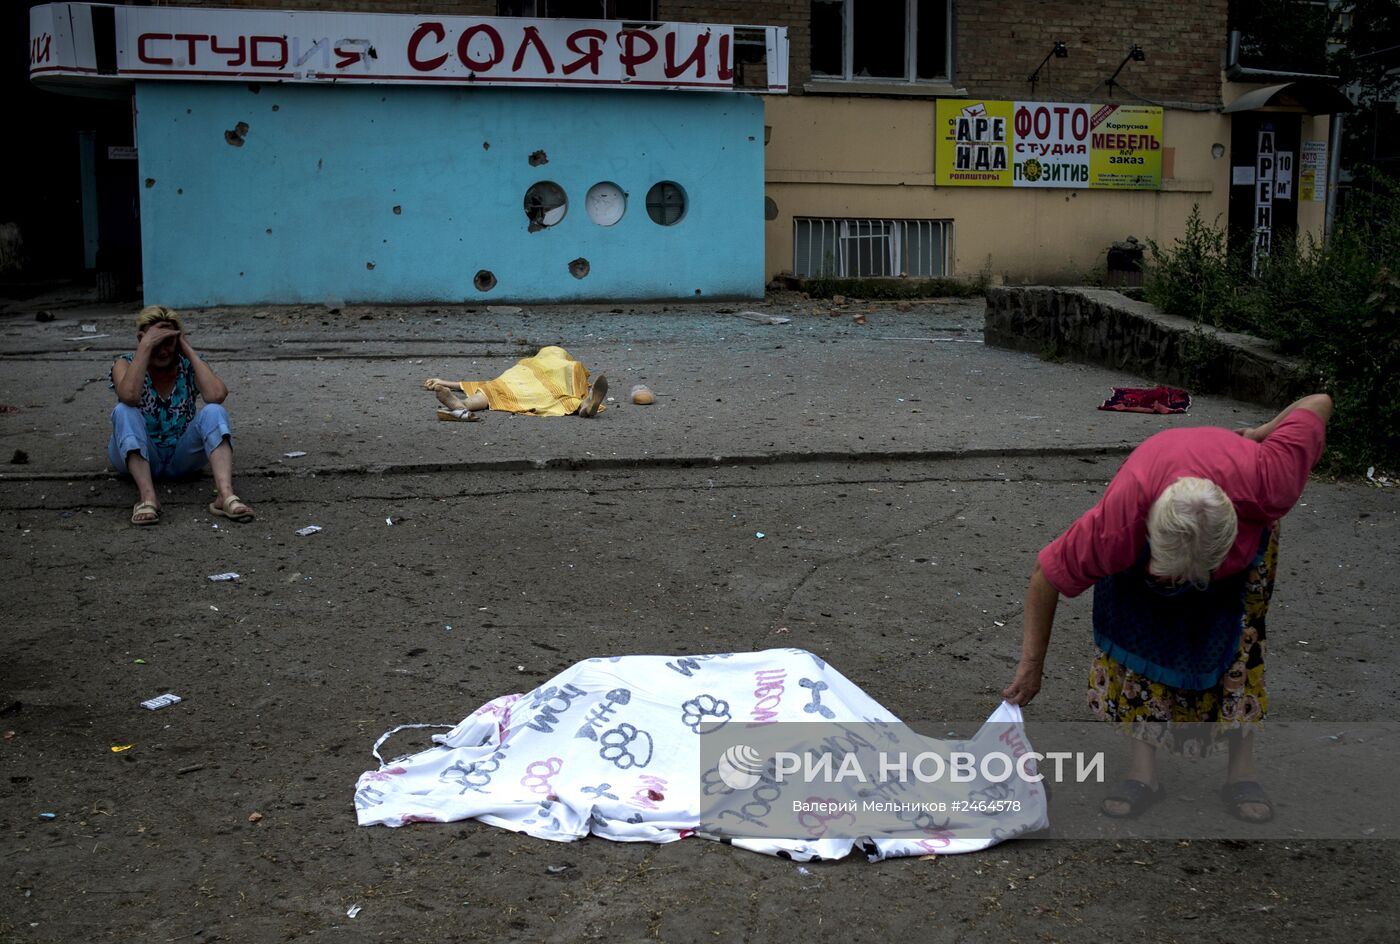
(448, 399)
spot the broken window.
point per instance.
(545, 205)
(644, 10)
(882, 40)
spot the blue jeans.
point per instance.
(204, 434)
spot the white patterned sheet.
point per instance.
(611, 747)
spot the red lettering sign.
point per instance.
(630, 57)
(587, 57)
(696, 57)
(532, 40)
(498, 51)
(145, 56)
(424, 30)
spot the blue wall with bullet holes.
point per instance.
(406, 193)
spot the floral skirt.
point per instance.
(1186, 721)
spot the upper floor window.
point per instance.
(882, 40)
(641, 10)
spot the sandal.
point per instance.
(594, 401)
(145, 513)
(235, 509)
(457, 416)
(1237, 794)
(1138, 795)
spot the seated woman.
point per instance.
(549, 384)
(157, 432)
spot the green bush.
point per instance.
(1335, 306)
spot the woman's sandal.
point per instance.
(1138, 795)
(145, 513)
(231, 510)
(1236, 795)
(594, 400)
(457, 416)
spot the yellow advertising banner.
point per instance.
(981, 143)
(1125, 148)
(972, 143)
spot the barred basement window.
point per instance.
(889, 41)
(857, 249)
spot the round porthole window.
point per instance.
(666, 203)
(545, 204)
(605, 203)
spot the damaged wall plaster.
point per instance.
(324, 195)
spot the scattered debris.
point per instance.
(353, 910)
(946, 340)
(803, 870)
(758, 317)
(118, 748)
(221, 578)
(89, 329)
(503, 310)
(642, 396)
(1381, 481)
(48, 816)
(780, 631)
(293, 455)
(161, 701)
(88, 337)
(838, 299)
(308, 530)
(255, 817)
(558, 869)
(188, 770)
(760, 535)
(389, 521)
(858, 318)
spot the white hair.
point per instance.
(1190, 528)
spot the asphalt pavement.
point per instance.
(344, 387)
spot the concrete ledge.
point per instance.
(1099, 326)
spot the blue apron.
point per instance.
(1183, 636)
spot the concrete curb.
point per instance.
(1103, 327)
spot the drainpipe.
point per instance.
(1334, 167)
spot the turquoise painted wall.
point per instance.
(304, 209)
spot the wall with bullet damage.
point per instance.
(258, 194)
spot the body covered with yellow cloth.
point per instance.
(551, 383)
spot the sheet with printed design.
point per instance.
(611, 747)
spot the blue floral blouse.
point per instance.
(166, 418)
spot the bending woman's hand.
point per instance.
(1024, 686)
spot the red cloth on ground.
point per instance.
(1148, 400)
(1264, 480)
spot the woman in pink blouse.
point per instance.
(1181, 552)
